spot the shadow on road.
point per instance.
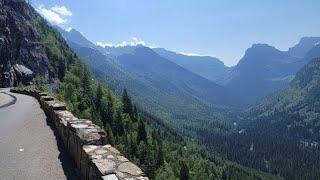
(9, 103)
(68, 165)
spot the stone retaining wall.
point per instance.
(86, 143)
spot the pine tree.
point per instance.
(142, 133)
(127, 104)
(160, 157)
(86, 81)
(69, 91)
(118, 125)
(110, 109)
(107, 111)
(110, 136)
(61, 70)
(150, 164)
(133, 146)
(135, 113)
(184, 172)
(98, 98)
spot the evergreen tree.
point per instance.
(107, 111)
(150, 164)
(133, 146)
(86, 81)
(142, 152)
(160, 157)
(184, 172)
(61, 69)
(98, 98)
(69, 91)
(135, 113)
(127, 104)
(118, 125)
(110, 109)
(110, 136)
(142, 133)
(165, 172)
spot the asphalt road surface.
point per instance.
(29, 149)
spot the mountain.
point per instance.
(281, 133)
(313, 53)
(165, 74)
(208, 67)
(304, 45)
(75, 36)
(263, 70)
(144, 63)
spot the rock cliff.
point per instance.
(22, 55)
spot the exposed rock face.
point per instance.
(22, 55)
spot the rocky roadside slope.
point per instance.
(22, 55)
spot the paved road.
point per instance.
(29, 149)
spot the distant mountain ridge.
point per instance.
(304, 45)
(135, 59)
(265, 69)
(262, 70)
(208, 67)
(164, 73)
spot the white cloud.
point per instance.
(102, 44)
(192, 54)
(62, 10)
(55, 15)
(69, 29)
(153, 46)
(133, 42)
(136, 41)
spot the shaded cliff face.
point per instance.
(22, 55)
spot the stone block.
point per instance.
(46, 98)
(82, 132)
(110, 177)
(61, 119)
(100, 167)
(40, 94)
(130, 169)
(57, 105)
(50, 106)
(102, 159)
(85, 159)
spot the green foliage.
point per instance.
(127, 104)
(98, 98)
(142, 133)
(19, 87)
(184, 172)
(41, 84)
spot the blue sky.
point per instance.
(220, 28)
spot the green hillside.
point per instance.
(281, 133)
